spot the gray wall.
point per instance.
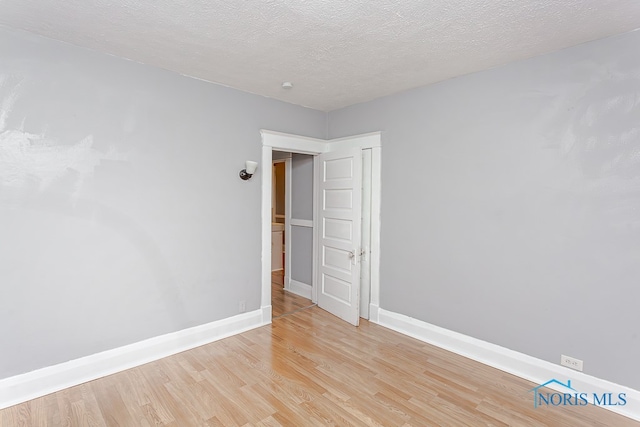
(511, 204)
(302, 208)
(302, 186)
(302, 254)
(122, 216)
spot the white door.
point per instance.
(339, 213)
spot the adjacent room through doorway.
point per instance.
(291, 232)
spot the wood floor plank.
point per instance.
(306, 369)
(43, 410)
(113, 408)
(268, 422)
(225, 409)
(356, 410)
(165, 403)
(286, 411)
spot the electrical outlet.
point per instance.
(571, 362)
(242, 307)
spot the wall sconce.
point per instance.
(250, 169)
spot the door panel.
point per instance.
(338, 229)
(340, 209)
(337, 259)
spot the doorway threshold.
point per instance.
(289, 313)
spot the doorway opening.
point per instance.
(291, 232)
(328, 160)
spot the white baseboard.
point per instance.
(299, 288)
(519, 364)
(24, 387)
(374, 313)
(266, 314)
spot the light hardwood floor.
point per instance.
(277, 277)
(283, 302)
(306, 369)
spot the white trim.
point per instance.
(302, 222)
(365, 258)
(266, 314)
(316, 235)
(374, 313)
(367, 140)
(287, 219)
(299, 288)
(24, 387)
(518, 364)
(294, 143)
(376, 199)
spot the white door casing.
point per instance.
(365, 259)
(339, 213)
(305, 145)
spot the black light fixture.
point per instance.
(249, 170)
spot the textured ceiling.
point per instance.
(336, 52)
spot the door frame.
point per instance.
(279, 141)
(365, 260)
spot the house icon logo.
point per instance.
(569, 396)
(538, 397)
